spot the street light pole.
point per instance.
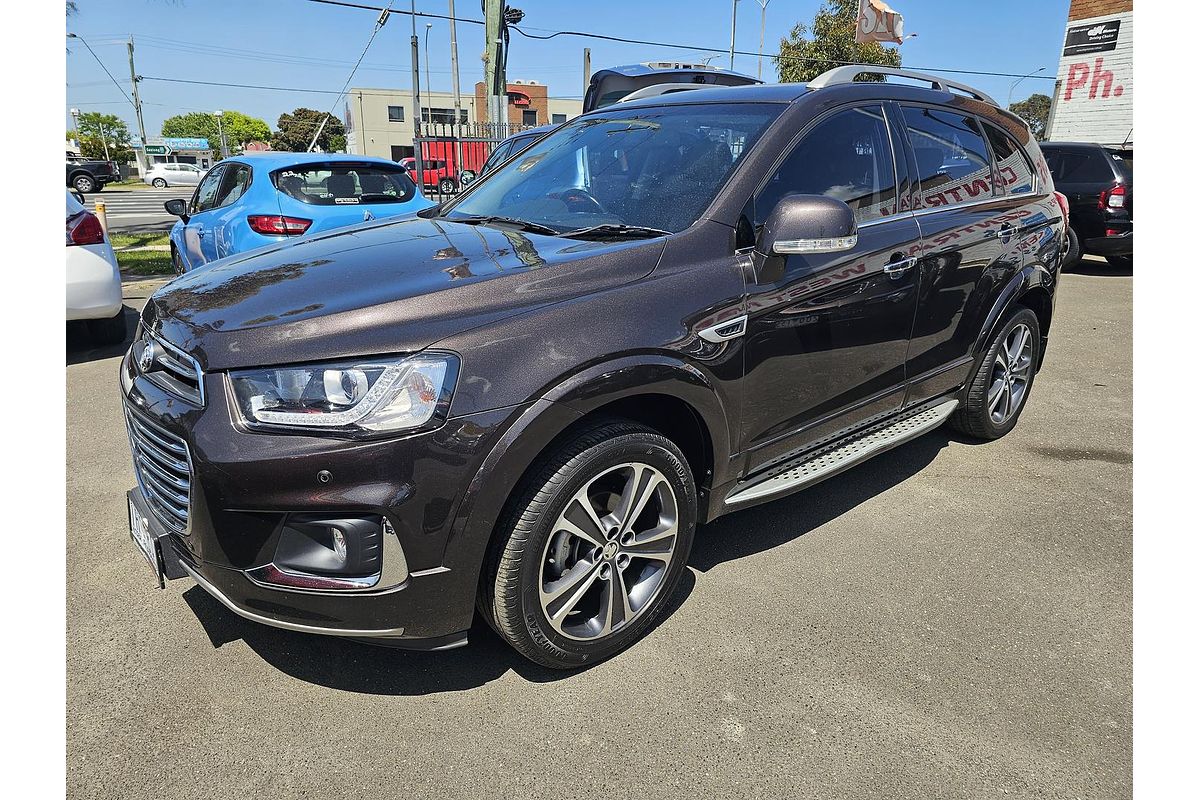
(762, 34)
(428, 83)
(78, 140)
(221, 133)
(1018, 80)
(104, 141)
(733, 33)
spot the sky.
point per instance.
(301, 44)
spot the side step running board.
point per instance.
(832, 459)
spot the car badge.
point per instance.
(146, 359)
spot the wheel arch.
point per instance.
(661, 392)
(1033, 288)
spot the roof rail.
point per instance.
(664, 88)
(848, 73)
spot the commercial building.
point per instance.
(379, 122)
(1093, 95)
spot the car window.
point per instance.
(953, 165)
(237, 180)
(1014, 173)
(344, 183)
(1123, 161)
(1083, 166)
(657, 167)
(206, 192)
(498, 155)
(849, 157)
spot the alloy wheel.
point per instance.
(1010, 374)
(609, 552)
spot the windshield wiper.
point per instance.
(525, 225)
(617, 229)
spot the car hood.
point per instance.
(389, 286)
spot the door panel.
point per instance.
(196, 232)
(827, 342)
(828, 334)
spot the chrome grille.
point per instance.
(168, 367)
(164, 471)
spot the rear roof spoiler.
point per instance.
(847, 74)
(664, 88)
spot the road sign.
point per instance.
(158, 150)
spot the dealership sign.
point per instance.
(1093, 97)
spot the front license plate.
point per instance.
(139, 531)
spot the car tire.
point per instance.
(993, 400)
(1074, 249)
(1120, 262)
(85, 184)
(177, 262)
(108, 331)
(446, 186)
(628, 570)
(159, 183)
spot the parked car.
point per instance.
(172, 174)
(263, 198)
(87, 176)
(524, 400)
(436, 174)
(1098, 183)
(511, 146)
(93, 277)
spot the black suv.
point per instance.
(86, 176)
(524, 400)
(1097, 181)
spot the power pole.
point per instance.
(733, 33)
(137, 108)
(416, 82)
(762, 34)
(457, 93)
(496, 89)
(587, 69)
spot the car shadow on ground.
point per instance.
(356, 667)
(81, 349)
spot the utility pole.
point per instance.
(733, 33)
(428, 82)
(416, 82)
(587, 69)
(457, 92)
(104, 141)
(221, 134)
(493, 70)
(137, 108)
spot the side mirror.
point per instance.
(78, 196)
(808, 224)
(178, 208)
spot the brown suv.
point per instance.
(522, 402)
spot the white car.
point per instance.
(164, 175)
(93, 278)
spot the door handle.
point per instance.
(1005, 233)
(898, 268)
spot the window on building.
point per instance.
(529, 118)
(952, 160)
(443, 116)
(558, 119)
(848, 157)
(395, 113)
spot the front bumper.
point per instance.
(244, 486)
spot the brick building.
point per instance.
(529, 104)
(1093, 95)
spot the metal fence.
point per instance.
(450, 156)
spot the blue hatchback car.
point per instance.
(261, 198)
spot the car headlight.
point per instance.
(366, 395)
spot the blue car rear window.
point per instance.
(337, 184)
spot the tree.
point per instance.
(95, 130)
(240, 129)
(803, 57)
(297, 128)
(1036, 111)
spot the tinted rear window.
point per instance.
(1123, 160)
(1081, 166)
(344, 184)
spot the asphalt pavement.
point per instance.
(950, 620)
(137, 210)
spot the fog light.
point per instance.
(320, 552)
(339, 544)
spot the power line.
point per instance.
(383, 17)
(669, 45)
(101, 63)
(239, 85)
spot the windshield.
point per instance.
(344, 184)
(652, 167)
